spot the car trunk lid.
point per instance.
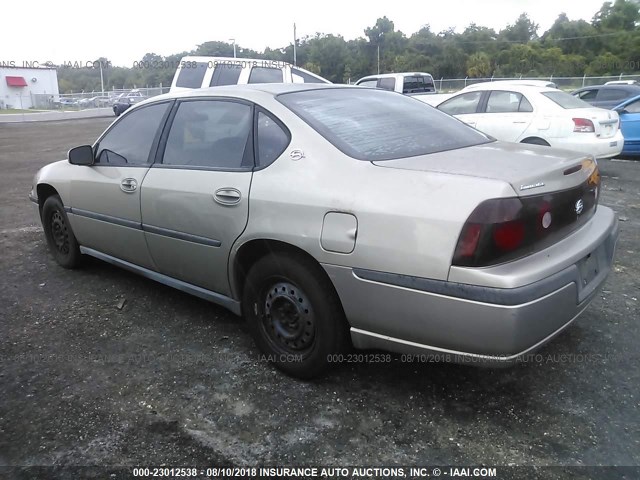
(529, 169)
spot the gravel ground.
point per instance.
(169, 379)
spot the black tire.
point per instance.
(57, 230)
(294, 314)
(535, 141)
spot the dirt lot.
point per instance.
(173, 380)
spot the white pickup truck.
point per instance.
(407, 83)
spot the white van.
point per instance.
(203, 72)
(408, 82)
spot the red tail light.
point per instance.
(583, 125)
(509, 236)
(503, 229)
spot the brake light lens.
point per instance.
(504, 229)
(583, 125)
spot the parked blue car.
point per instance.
(629, 112)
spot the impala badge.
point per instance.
(532, 185)
(579, 207)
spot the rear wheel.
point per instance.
(57, 230)
(294, 314)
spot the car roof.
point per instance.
(532, 83)
(628, 88)
(512, 87)
(394, 75)
(271, 89)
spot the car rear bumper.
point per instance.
(598, 147)
(462, 322)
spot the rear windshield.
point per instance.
(417, 84)
(379, 125)
(191, 74)
(565, 100)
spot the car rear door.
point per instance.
(506, 115)
(105, 197)
(195, 198)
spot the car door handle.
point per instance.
(227, 196)
(128, 185)
(520, 122)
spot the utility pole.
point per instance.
(378, 59)
(234, 46)
(101, 78)
(294, 45)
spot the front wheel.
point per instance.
(57, 230)
(294, 314)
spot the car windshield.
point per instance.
(379, 125)
(565, 100)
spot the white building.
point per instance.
(27, 87)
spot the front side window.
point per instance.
(129, 141)
(633, 107)
(461, 104)
(371, 125)
(300, 76)
(265, 75)
(210, 134)
(368, 83)
(272, 139)
(191, 74)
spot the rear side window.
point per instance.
(272, 139)
(265, 75)
(462, 104)
(387, 83)
(507, 102)
(129, 141)
(368, 83)
(225, 74)
(565, 100)
(210, 134)
(191, 74)
(633, 107)
(377, 125)
(417, 84)
(608, 94)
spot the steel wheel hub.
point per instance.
(289, 318)
(60, 233)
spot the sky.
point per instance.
(80, 31)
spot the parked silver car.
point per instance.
(331, 215)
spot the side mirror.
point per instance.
(82, 155)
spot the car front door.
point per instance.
(464, 107)
(506, 115)
(105, 197)
(630, 126)
(195, 201)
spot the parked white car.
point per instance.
(541, 116)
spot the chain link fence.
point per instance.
(74, 101)
(450, 85)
